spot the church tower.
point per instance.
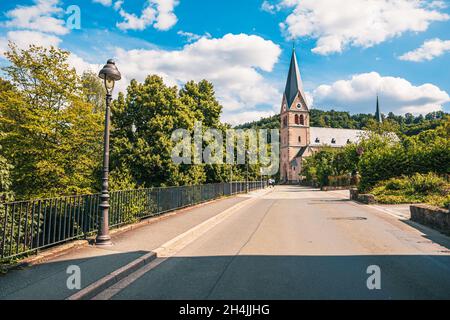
(378, 116)
(295, 129)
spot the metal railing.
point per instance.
(27, 226)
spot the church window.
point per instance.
(285, 121)
(299, 139)
(296, 119)
(302, 120)
(299, 106)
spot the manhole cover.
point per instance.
(348, 218)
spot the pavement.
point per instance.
(289, 243)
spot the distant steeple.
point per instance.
(294, 83)
(378, 116)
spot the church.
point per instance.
(298, 138)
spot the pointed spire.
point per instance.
(378, 116)
(294, 83)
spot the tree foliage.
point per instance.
(51, 133)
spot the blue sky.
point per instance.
(348, 50)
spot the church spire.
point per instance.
(294, 83)
(378, 116)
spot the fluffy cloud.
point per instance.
(159, 13)
(396, 94)
(246, 116)
(360, 23)
(233, 63)
(133, 22)
(268, 7)
(428, 51)
(23, 38)
(42, 16)
(106, 3)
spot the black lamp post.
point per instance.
(109, 74)
(247, 153)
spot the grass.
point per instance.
(418, 188)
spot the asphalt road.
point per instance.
(298, 243)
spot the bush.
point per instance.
(427, 184)
(418, 188)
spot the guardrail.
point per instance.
(27, 226)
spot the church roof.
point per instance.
(378, 116)
(294, 83)
(334, 137)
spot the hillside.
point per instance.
(408, 124)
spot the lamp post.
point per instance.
(109, 74)
(247, 153)
(231, 179)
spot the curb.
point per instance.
(112, 278)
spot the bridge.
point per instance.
(287, 242)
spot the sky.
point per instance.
(348, 50)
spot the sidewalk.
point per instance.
(48, 280)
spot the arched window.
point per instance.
(302, 120)
(296, 119)
(284, 121)
(299, 139)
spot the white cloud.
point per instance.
(43, 16)
(166, 18)
(398, 95)
(359, 23)
(191, 37)
(268, 7)
(233, 63)
(246, 116)
(133, 22)
(23, 38)
(428, 51)
(106, 3)
(82, 65)
(118, 5)
(159, 13)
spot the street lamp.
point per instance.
(109, 74)
(247, 153)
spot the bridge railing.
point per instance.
(27, 226)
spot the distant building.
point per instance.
(298, 139)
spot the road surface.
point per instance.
(299, 243)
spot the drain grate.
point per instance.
(347, 218)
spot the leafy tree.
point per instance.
(94, 91)
(52, 136)
(143, 122)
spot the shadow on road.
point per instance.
(293, 277)
(48, 280)
(247, 277)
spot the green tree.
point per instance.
(143, 122)
(94, 91)
(51, 135)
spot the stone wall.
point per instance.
(363, 198)
(431, 216)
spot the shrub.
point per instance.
(427, 184)
(427, 188)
